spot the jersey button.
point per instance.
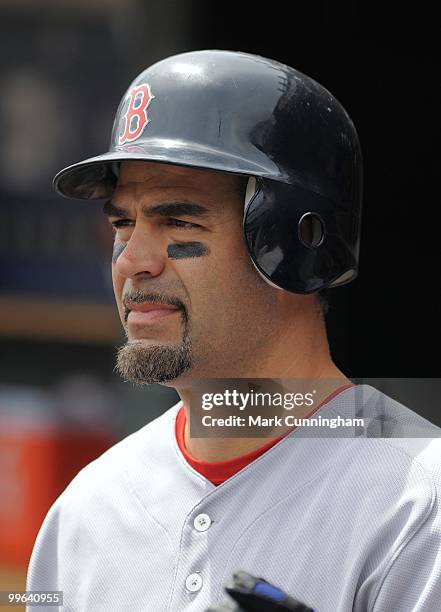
(193, 582)
(202, 522)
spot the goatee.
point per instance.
(145, 365)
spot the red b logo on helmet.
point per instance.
(136, 118)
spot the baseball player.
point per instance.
(233, 186)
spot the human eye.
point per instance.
(182, 224)
(119, 223)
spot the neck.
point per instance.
(300, 352)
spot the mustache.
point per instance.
(138, 297)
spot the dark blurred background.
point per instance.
(63, 67)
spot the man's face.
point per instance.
(190, 301)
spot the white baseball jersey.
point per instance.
(344, 524)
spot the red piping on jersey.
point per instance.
(219, 471)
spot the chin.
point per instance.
(142, 362)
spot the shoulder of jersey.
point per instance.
(413, 447)
(105, 473)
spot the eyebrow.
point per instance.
(165, 209)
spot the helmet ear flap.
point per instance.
(294, 238)
(260, 233)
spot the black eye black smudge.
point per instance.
(118, 248)
(187, 249)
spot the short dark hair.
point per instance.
(240, 185)
(323, 298)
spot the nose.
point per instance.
(143, 253)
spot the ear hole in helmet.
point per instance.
(311, 230)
